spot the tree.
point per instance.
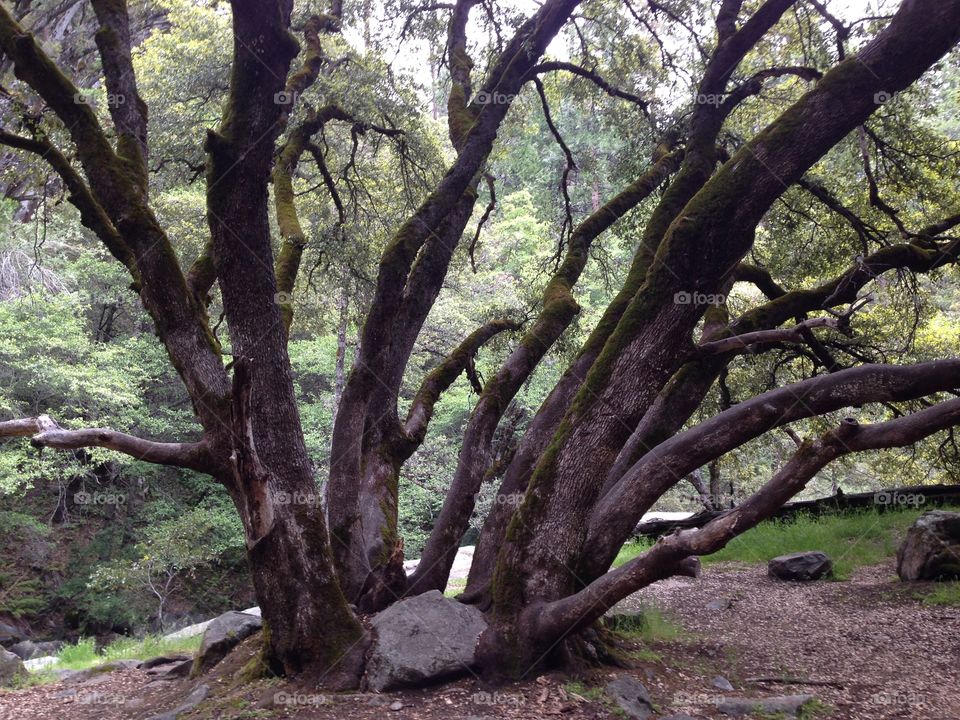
(609, 438)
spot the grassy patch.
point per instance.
(455, 587)
(84, 653)
(852, 540)
(648, 625)
(947, 593)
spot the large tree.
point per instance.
(610, 438)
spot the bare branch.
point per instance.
(763, 337)
(46, 433)
(592, 76)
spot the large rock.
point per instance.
(79, 677)
(801, 566)
(789, 705)
(27, 649)
(931, 550)
(11, 667)
(631, 696)
(422, 638)
(222, 635)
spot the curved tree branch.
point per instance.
(579, 610)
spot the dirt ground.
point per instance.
(866, 648)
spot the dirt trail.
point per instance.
(893, 656)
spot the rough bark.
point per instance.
(361, 502)
(272, 484)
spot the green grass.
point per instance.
(947, 593)
(83, 654)
(648, 624)
(455, 587)
(851, 540)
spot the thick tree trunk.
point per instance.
(309, 625)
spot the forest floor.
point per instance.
(867, 647)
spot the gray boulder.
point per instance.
(422, 638)
(222, 635)
(631, 696)
(931, 550)
(11, 667)
(9, 635)
(77, 677)
(801, 566)
(27, 649)
(786, 705)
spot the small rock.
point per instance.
(787, 704)
(931, 550)
(222, 635)
(11, 667)
(720, 604)
(679, 717)
(721, 683)
(631, 696)
(801, 566)
(396, 705)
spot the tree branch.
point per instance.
(666, 557)
(592, 76)
(442, 376)
(46, 433)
